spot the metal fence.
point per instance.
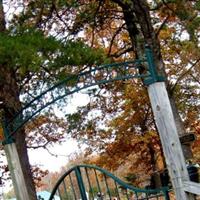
(88, 182)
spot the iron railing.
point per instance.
(88, 182)
(94, 75)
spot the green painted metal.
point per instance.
(80, 183)
(72, 186)
(112, 182)
(117, 190)
(97, 181)
(89, 183)
(151, 67)
(95, 75)
(65, 188)
(8, 139)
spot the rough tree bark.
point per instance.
(141, 31)
(139, 10)
(9, 96)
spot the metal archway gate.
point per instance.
(91, 76)
(88, 182)
(101, 75)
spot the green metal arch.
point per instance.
(95, 75)
(163, 190)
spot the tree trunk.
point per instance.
(2, 18)
(9, 94)
(140, 11)
(136, 12)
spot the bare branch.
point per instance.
(39, 146)
(118, 54)
(114, 36)
(183, 75)
(158, 6)
(198, 81)
(53, 154)
(119, 2)
(39, 16)
(58, 15)
(162, 25)
(2, 18)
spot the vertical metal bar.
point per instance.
(52, 96)
(65, 189)
(127, 194)
(56, 193)
(107, 187)
(98, 185)
(136, 194)
(59, 192)
(80, 183)
(90, 186)
(118, 196)
(151, 65)
(7, 138)
(166, 194)
(72, 186)
(146, 195)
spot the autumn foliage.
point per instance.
(65, 37)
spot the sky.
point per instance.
(63, 151)
(43, 158)
(46, 161)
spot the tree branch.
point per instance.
(39, 16)
(198, 81)
(162, 25)
(39, 146)
(183, 75)
(2, 18)
(113, 37)
(117, 55)
(158, 6)
(119, 2)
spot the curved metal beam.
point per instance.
(92, 76)
(95, 75)
(162, 191)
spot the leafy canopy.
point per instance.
(30, 49)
